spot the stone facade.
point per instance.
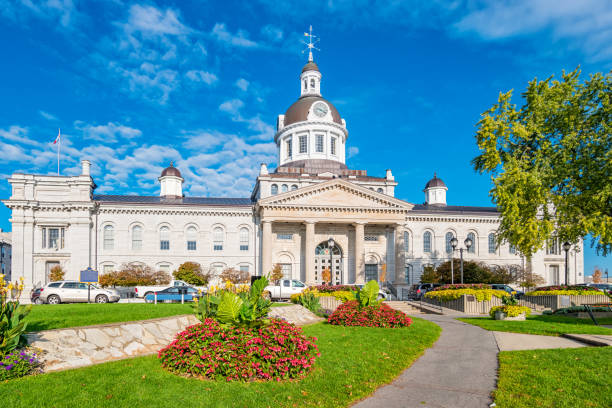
(5, 254)
(82, 346)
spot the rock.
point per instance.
(134, 329)
(100, 356)
(97, 337)
(133, 348)
(115, 352)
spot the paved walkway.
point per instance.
(519, 341)
(460, 370)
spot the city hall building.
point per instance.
(292, 213)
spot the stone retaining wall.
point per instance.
(81, 346)
(329, 302)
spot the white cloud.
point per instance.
(61, 12)
(352, 152)
(149, 81)
(240, 39)
(152, 21)
(232, 106)
(585, 24)
(272, 33)
(242, 84)
(47, 115)
(201, 76)
(109, 133)
(18, 134)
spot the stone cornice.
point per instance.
(335, 208)
(453, 219)
(49, 206)
(177, 211)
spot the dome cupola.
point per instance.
(171, 182)
(435, 191)
(311, 130)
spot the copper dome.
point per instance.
(435, 182)
(298, 112)
(171, 171)
(311, 66)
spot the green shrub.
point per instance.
(368, 295)
(510, 310)
(452, 294)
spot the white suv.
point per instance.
(73, 291)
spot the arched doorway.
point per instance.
(322, 261)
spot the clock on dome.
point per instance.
(320, 109)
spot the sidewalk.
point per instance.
(460, 370)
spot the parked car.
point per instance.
(143, 291)
(174, 294)
(284, 289)
(74, 292)
(418, 290)
(35, 296)
(509, 289)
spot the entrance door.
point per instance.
(324, 261)
(371, 272)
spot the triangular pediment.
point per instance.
(335, 193)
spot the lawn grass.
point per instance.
(354, 362)
(572, 378)
(46, 317)
(543, 324)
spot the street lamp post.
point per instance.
(468, 245)
(331, 243)
(453, 243)
(566, 248)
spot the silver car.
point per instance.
(74, 292)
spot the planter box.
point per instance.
(555, 302)
(329, 302)
(499, 315)
(467, 304)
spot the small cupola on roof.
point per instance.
(435, 191)
(171, 182)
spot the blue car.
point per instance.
(173, 294)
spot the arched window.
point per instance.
(294, 187)
(472, 249)
(492, 243)
(192, 238)
(137, 237)
(274, 189)
(109, 237)
(427, 242)
(312, 83)
(164, 238)
(244, 239)
(305, 84)
(218, 239)
(379, 190)
(449, 236)
(406, 241)
(284, 188)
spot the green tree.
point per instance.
(191, 272)
(429, 275)
(551, 161)
(473, 272)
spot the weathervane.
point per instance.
(312, 41)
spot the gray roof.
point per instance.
(457, 209)
(203, 201)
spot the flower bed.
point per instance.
(564, 290)
(276, 351)
(481, 295)
(335, 288)
(341, 295)
(352, 314)
(510, 310)
(17, 363)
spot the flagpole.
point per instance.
(59, 144)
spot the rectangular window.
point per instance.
(303, 144)
(164, 268)
(554, 275)
(370, 238)
(552, 247)
(406, 241)
(289, 148)
(333, 146)
(218, 247)
(191, 245)
(286, 269)
(371, 272)
(284, 236)
(164, 245)
(53, 238)
(319, 145)
(244, 247)
(244, 268)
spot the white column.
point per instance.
(399, 255)
(266, 248)
(309, 249)
(359, 255)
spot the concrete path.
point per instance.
(460, 370)
(518, 341)
(599, 340)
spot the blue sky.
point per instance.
(134, 85)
